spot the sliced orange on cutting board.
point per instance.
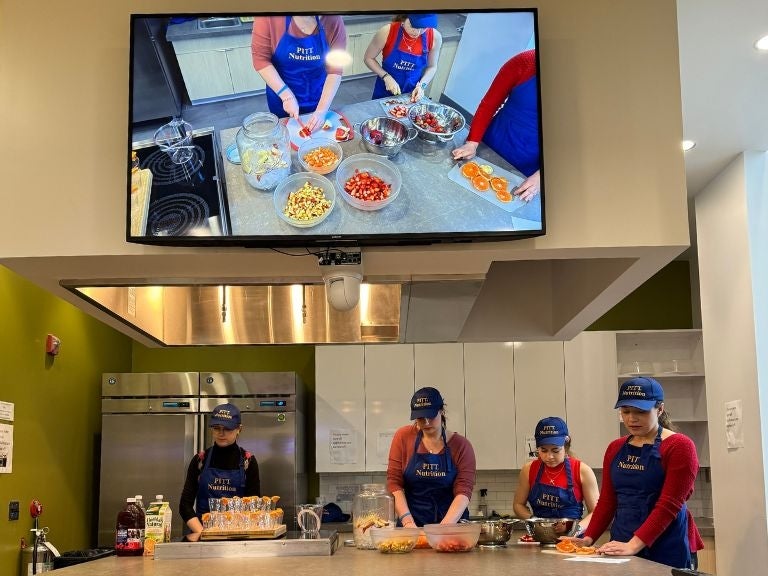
(470, 170)
(480, 182)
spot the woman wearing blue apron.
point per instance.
(507, 120)
(223, 470)
(431, 472)
(648, 476)
(555, 485)
(291, 54)
(410, 47)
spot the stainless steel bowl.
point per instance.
(493, 532)
(384, 136)
(452, 121)
(548, 530)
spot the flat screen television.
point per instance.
(209, 164)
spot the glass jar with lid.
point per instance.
(373, 506)
(264, 149)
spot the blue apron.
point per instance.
(514, 131)
(218, 483)
(406, 68)
(554, 501)
(301, 64)
(428, 484)
(638, 477)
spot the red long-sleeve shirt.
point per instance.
(514, 72)
(680, 463)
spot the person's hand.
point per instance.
(529, 188)
(417, 94)
(391, 85)
(616, 548)
(193, 536)
(466, 150)
(316, 120)
(578, 541)
(290, 105)
(408, 523)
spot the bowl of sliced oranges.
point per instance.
(482, 179)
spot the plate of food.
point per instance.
(488, 181)
(569, 548)
(397, 107)
(335, 127)
(528, 540)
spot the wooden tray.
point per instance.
(253, 534)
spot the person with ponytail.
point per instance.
(647, 478)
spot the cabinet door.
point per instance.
(339, 409)
(388, 390)
(590, 392)
(244, 76)
(206, 74)
(441, 366)
(489, 395)
(539, 389)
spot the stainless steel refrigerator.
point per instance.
(153, 423)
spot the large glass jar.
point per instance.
(265, 150)
(373, 506)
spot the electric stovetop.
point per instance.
(187, 198)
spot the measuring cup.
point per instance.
(309, 517)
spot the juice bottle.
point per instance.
(129, 535)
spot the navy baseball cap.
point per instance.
(426, 403)
(551, 431)
(226, 415)
(641, 392)
(423, 20)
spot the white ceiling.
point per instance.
(724, 83)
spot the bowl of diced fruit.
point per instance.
(368, 181)
(384, 136)
(452, 537)
(320, 155)
(436, 122)
(391, 540)
(304, 199)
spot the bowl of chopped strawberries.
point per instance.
(436, 122)
(452, 537)
(320, 155)
(368, 181)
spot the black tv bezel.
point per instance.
(330, 240)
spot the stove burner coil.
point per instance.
(178, 215)
(165, 171)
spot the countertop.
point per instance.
(429, 202)
(523, 559)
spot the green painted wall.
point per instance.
(57, 412)
(662, 303)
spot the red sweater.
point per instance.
(401, 450)
(680, 463)
(561, 479)
(406, 43)
(515, 71)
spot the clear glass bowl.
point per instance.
(376, 165)
(394, 540)
(452, 537)
(313, 144)
(293, 183)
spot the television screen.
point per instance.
(364, 128)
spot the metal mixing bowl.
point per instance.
(493, 532)
(548, 530)
(392, 134)
(451, 120)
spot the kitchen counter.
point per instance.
(524, 559)
(429, 202)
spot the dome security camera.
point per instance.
(342, 288)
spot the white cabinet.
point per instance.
(676, 359)
(590, 393)
(539, 390)
(339, 409)
(243, 74)
(388, 391)
(441, 366)
(489, 397)
(444, 63)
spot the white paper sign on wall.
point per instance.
(734, 425)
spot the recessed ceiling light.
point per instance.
(688, 144)
(762, 44)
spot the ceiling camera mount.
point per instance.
(342, 273)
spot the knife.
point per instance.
(304, 132)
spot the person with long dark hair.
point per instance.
(647, 478)
(431, 471)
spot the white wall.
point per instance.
(730, 213)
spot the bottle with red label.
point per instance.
(129, 535)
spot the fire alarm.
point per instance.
(52, 345)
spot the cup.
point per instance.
(309, 518)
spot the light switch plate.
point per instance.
(13, 510)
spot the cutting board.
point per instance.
(141, 185)
(403, 100)
(513, 181)
(332, 116)
(252, 534)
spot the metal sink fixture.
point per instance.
(218, 22)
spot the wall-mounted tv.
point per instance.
(363, 128)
